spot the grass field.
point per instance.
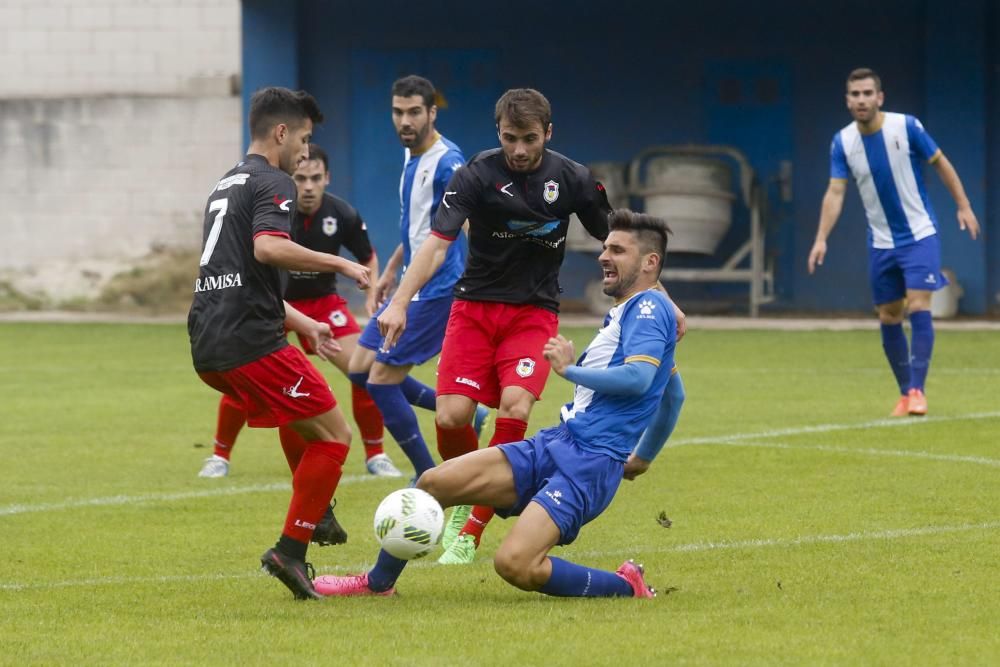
(807, 528)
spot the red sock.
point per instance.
(507, 430)
(313, 485)
(369, 420)
(476, 523)
(453, 442)
(293, 445)
(231, 419)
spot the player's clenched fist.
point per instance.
(362, 275)
(559, 353)
(321, 338)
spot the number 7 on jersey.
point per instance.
(220, 205)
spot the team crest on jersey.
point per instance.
(525, 367)
(329, 225)
(551, 192)
(645, 310)
(337, 318)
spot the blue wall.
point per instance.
(270, 49)
(643, 74)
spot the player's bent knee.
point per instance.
(326, 428)
(452, 420)
(361, 360)
(891, 313)
(518, 570)
(435, 483)
(516, 405)
(519, 412)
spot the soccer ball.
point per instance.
(409, 523)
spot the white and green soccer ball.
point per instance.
(409, 523)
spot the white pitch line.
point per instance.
(890, 534)
(828, 428)
(8, 510)
(902, 453)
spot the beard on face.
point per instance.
(418, 136)
(625, 283)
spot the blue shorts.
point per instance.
(422, 338)
(917, 266)
(573, 485)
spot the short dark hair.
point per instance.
(862, 73)
(411, 85)
(522, 107)
(650, 231)
(317, 153)
(270, 106)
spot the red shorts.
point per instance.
(331, 309)
(280, 388)
(490, 345)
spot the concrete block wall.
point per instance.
(116, 117)
(58, 48)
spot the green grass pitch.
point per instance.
(807, 527)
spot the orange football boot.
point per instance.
(917, 403)
(902, 408)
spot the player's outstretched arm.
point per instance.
(318, 333)
(431, 255)
(284, 253)
(833, 203)
(659, 430)
(966, 218)
(630, 379)
(428, 259)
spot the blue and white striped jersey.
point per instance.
(887, 166)
(421, 187)
(641, 329)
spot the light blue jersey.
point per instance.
(887, 166)
(421, 188)
(642, 329)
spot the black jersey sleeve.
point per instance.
(356, 237)
(460, 198)
(273, 204)
(594, 208)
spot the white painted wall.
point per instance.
(116, 117)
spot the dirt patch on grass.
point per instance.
(161, 283)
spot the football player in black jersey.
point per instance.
(326, 222)
(518, 200)
(238, 318)
(323, 222)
